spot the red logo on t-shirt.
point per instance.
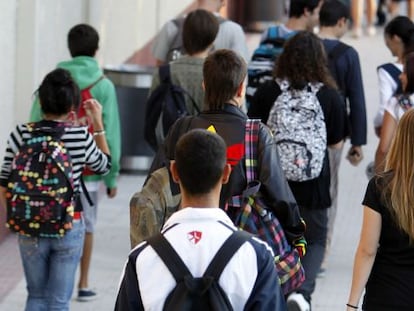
(194, 236)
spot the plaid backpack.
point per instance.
(40, 190)
(249, 212)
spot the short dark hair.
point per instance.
(303, 60)
(200, 158)
(199, 31)
(331, 12)
(58, 93)
(402, 27)
(409, 71)
(223, 72)
(297, 7)
(83, 40)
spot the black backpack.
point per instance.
(165, 105)
(203, 293)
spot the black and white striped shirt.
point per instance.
(79, 143)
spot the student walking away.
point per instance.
(383, 264)
(200, 241)
(303, 15)
(168, 43)
(344, 65)
(176, 88)
(39, 184)
(302, 84)
(224, 73)
(394, 109)
(397, 36)
(83, 43)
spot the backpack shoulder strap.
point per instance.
(93, 84)
(251, 139)
(165, 77)
(225, 253)
(273, 32)
(395, 73)
(337, 50)
(392, 70)
(169, 256)
(165, 74)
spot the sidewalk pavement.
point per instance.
(112, 232)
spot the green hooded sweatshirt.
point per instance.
(85, 71)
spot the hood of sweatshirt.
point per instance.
(85, 70)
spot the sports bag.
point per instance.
(202, 293)
(40, 190)
(165, 105)
(297, 122)
(261, 66)
(250, 213)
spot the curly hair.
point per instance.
(303, 60)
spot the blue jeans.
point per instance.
(49, 266)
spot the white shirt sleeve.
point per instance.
(387, 87)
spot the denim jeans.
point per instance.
(49, 266)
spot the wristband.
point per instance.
(99, 133)
(352, 306)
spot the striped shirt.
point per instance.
(79, 143)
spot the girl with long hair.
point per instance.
(384, 260)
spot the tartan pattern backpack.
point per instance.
(249, 212)
(40, 190)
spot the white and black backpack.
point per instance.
(297, 123)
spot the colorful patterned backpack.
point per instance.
(298, 126)
(40, 193)
(249, 212)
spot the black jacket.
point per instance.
(230, 124)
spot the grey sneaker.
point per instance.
(296, 302)
(86, 294)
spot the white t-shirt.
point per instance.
(387, 88)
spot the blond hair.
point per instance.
(399, 190)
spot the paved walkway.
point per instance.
(112, 233)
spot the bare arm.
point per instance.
(389, 125)
(3, 202)
(365, 254)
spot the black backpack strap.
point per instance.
(226, 252)
(395, 73)
(164, 72)
(169, 256)
(85, 192)
(333, 55)
(338, 50)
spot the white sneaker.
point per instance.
(296, 302)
